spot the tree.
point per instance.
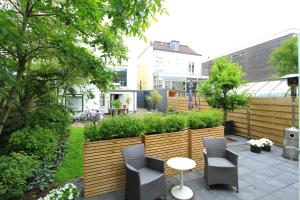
(285, 58)
(219, 89)
(154, 99)
(64, 31)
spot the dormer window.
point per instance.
(174, 45)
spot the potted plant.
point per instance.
(255, 145)
(267, 144)
(117, 105)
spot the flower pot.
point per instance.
(266, 148)
(255, 149)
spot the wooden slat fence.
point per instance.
(180, 104)
(266, 117)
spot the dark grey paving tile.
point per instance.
(288, 167)
(286, 178)
(269, 197)
(290, 193)
(271, 171)
(242, 170)
(250, 193)
(252, 164)
(191, 176)
(268, 159)
(107, 196)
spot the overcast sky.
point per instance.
(214, 27)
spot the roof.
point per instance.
(165, 46)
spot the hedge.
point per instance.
(130, 126)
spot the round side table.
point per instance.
(182, 164)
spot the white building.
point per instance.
(89, 97)
(168, 65)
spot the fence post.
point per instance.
(190, 143)
(248, 123)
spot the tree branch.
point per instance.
(16, 7)
(42, 15)
(8, 51)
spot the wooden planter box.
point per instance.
(104, 166)
(167, 145)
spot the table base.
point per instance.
(182, 192)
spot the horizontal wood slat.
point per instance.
(104, 166)
(266, 117)
(180, 104)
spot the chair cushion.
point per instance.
(219, 162)
(148, 175)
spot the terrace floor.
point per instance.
(265, 176)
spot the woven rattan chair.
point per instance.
(145, 178)
(221, 164)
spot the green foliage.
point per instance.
(66, 192)
(218, 90)
(206, 119)
(42, 176)
(71, 166)
(154, 123)
(117, 103)
(285, 58)
(54, 118)
(91, 132)
(117, 127)
(154, 99)
(174, 122)
(15, 169)
(37, 141)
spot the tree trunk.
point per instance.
(225, 112)
(11, 96)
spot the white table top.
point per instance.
(181, 163)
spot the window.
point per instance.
(102, 99)
(159, 60)
(121, 77)
(174, 45)
(191, 67)
(75, 103)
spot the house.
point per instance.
(168, 65)
(90, 98)
(254, 58)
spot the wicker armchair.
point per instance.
(221, 164)
(145, 178)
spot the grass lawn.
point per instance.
(72, 163)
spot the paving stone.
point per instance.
(286, 178)
(242, 170)
(252, 164)
(269, 197)
(288, 167)
(268, 160)
(250, 193)
(271, 171)
(290, 193)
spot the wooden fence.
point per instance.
(104, 166)
(266, 117)
(180, 104)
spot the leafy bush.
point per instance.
(42, 176)
(207, 119)
(154, 123)
(116, 127)
(51, 118)
(91, 132)
(37, 141)
(15, 170)
(174, 122)
(117, 103)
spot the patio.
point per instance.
(265, 176)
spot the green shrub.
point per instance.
(37, 141)
(91, 132)
(154, 123)
(51, 118)
(116, 127)
(174, 122)
(206, 119)
(15, 170)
